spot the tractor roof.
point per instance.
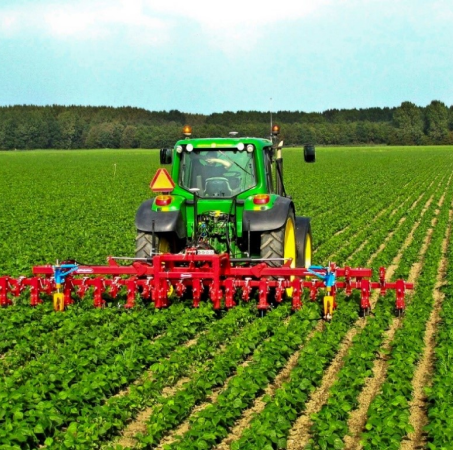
(215, 143)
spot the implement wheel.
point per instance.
(144, 245)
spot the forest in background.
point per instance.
(76, 127)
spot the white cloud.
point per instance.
(236, 24)
(84, 20)
(228, 25)
(214, 14)
(9, 23)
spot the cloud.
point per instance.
(222, 24)
(84, 20)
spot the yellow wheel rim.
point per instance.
(307, 250)
(164, 245)
(289, 248)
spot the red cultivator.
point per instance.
(218, 276)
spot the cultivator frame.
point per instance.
(156, 278)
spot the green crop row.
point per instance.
(270, 428)
(360, 202)
(174, 409)
(440, 395)
(401, 232)
(54, 394)
(387, 223)
(388, 415)
(257, 440)
(366, 224)
(212, 424)
(48, 350)
(77, 330)
(104, 421)
(330, 424)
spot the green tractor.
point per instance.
(226, 195)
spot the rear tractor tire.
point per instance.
(304, 242)
(144, 244)
(280, 243)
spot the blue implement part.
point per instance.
(60, 274)
(328, 277)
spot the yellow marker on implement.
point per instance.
(328, 305)
(58, 299)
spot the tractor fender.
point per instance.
(164, 222)
(270, 219)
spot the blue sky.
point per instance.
(207, 56)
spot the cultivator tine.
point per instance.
(230, 290)
(4, 289)
(132, 289)
(382, 281)
(115, 286)
(263, 291)
(297, 286)
(196, 291)
(365, 291)
(246, 289)
(279, 290)
(400, 291)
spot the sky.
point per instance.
(204, 56)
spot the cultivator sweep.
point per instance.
(218, 277)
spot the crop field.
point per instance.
(184, 378)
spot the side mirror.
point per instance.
(309, 153)
(165, 155)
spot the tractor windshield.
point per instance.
(217, 173)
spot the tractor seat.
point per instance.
(217, 187)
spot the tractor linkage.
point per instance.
(157, 277)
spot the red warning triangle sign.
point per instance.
(162, 182)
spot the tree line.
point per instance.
(77, 127)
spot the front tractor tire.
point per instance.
(144, 244)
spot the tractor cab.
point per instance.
(217, 173)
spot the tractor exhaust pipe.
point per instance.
(279, 170)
